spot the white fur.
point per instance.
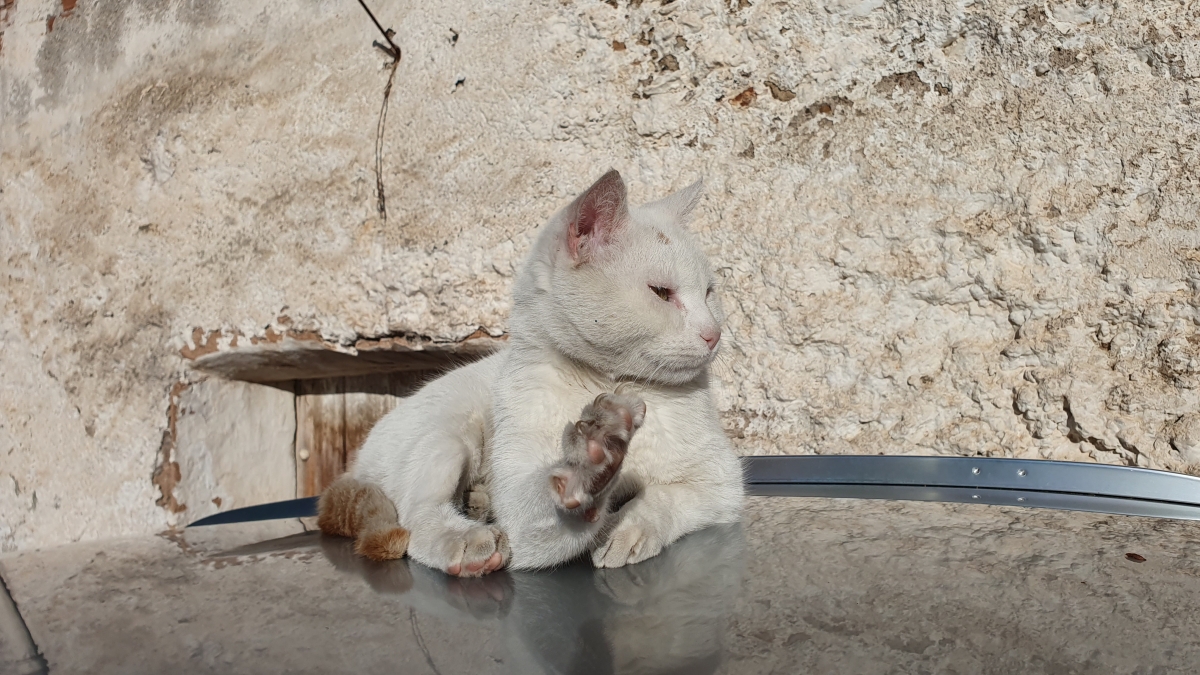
(584, 322)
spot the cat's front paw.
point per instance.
(594, 449)
(632, 541)
(477, 551)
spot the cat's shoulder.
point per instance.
(530, 377)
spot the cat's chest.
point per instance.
(545, 399)
(666, 444)
(674, 424)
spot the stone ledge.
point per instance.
(292, 355)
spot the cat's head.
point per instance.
(626, 290)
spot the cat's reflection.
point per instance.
(665, 615)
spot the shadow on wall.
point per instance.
(665, 615)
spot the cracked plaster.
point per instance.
(947, 227)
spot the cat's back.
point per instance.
(458, 403)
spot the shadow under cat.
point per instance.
(667, 614)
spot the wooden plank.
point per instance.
(320, 434)
(368, 398)
(334, 416)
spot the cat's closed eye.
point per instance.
(662, 292)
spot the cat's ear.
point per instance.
(679, 204)
(596, 216)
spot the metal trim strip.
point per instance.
(1011, 474)
(1070, 486)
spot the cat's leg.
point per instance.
(593, 450)
(663, 513)
(424, 455)
(429, 523)
(543, 488)
(352, 508)
(441, 536)
(445, 539)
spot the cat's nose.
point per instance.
(711, 337)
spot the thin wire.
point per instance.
(394, 52)
(381, 200)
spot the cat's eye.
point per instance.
(709, 291)
(662, 292)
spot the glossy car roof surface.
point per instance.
(803, 585)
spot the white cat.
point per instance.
(594, 430)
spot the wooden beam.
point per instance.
(320, 434)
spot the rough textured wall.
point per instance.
(943, 227)
(228, 458)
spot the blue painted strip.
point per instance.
(292, 508)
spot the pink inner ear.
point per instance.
(596, 216)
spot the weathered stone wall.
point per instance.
(963, 228)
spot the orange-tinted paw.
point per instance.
(382, 544)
